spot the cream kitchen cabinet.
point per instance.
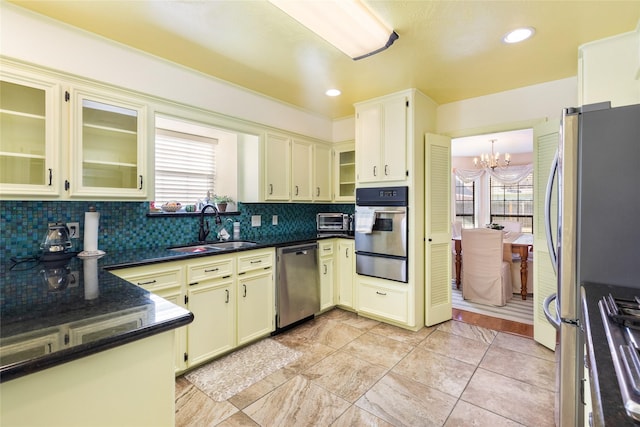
(30, 138)
(277, 167)
(344, 172)
(346, 267)
(256, 295)
(167, 281)
(382, 299)
(108, 145)
(211, 299)
(301, 170)
(327, 282)
(322, 173)
(381, 139)
(66, 138)
(30, 345)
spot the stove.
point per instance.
(621, 318)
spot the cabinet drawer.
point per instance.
(153, 281)
(325, 248)
(382, 301)
(213, 268)
(255, 260)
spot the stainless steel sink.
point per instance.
(220, 246)
(232, 245)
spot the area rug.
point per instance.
(516, 309)
(225, 377)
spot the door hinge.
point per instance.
(186, 356)
(67, 96)
(186, 299)
(407, 173)
(66, 185)
(407, 102)
(66, 339)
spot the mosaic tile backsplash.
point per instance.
(125, 225)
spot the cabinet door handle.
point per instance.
(213, 269)
(151, 282)
(50, 176)
(381, 293)
(244, 295)
(140, 183)
(318, 191)
(256, 262)
(270, 188)
(386, 169)
(297, 190)
(375, 171)
(325, 268)
(227, 291)
(346, 252)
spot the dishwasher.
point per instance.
(297, 283)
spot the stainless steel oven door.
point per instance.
(389, 232)
(391, 268)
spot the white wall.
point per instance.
(36, 39)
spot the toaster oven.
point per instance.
(333, 222)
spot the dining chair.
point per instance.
(486, 268)
(456, 230)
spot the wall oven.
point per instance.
(381, 234)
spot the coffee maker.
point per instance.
(56, 243)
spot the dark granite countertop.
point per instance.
(607, 401)
(53, 313)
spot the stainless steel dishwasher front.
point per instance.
(297, 283)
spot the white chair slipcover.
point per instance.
(486, 275)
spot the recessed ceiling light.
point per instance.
(333, 92)
(518, 35)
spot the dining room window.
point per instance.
(512, 202)
(465, 194)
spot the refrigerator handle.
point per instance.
(554, 320)
(547, 213)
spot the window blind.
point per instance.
(185, 166)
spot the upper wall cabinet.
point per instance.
(321, 173)
(381, 139)
(301, 169)
(30, 137)
(344, 170)
(277, 167)
(108, 146)
(64, 138)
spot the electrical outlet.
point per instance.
(274, 220)
(74, 230)
(256, 220)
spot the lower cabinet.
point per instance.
(385, 300)
(232, 298)
(327, 282)
(346, 267)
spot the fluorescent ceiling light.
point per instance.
(347, 24)
(518, 35)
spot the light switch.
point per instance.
(256, 220)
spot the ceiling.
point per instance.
(449, 50)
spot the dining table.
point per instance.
(521, 244)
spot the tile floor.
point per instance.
(359, 372)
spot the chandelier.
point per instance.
(492, 160)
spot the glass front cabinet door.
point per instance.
(29, 136)
(108, 146)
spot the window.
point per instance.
(465, 203)
(513, 202)
(185, 167)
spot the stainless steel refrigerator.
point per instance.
(597, 173)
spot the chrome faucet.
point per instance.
(204, 225)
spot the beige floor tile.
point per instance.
(194, 408)
(467, 415)
(311, 354)
(239, 419)
(524, 403)
(262, 387)
(378, 349)
(355, 416)
(523, 345)
(297, 402)
(362, 322)
(331, 333)
(434, 370)
(403, 402)
(468, 331)
(519, 366)
(402, 335)
(344, 375)
(460, 348)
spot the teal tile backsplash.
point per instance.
(125, 225)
